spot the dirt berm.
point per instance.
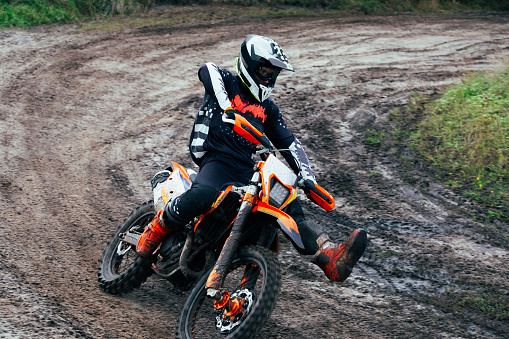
(86, 119)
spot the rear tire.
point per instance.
(120, 268)
(199, 318)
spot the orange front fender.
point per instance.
(286, 222)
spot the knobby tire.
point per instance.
(190, 324)
(139, 269)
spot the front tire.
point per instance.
(120, 268)
(258, 295)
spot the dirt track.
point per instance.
(87, 119)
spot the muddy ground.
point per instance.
(86, 119)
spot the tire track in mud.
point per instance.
(400, 268)
(82, 121)
(26, 306)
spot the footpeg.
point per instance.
(130, 238)
(214, 294)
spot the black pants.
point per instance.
(216, 172)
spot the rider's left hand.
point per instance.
(318, 195)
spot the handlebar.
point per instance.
(241, 126)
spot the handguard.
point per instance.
(242, 127)
(319, 195)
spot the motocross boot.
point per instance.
(154, 234)
(337, 261)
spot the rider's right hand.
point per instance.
(241, 126)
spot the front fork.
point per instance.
(218, 273)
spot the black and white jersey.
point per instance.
(224, 89)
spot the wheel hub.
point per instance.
(235, 310)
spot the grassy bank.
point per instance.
(464, 136)
(26, 13)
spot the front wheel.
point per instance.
(253, 282)
(120, 268)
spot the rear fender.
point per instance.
(177, 183)
(183, 171)
(285, 222)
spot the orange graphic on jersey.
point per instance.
(255, 110)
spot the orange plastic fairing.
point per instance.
(184, 176)
(182, 169)
(322, 198)
(287, 224)
(249, 132)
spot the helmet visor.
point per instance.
(266, 74)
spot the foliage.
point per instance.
(467, 130)
(374, 137)
(25, 13)
(464, 135)
(488, 301)
(22, 13)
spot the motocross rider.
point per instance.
(224, 157)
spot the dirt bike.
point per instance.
(228, 253)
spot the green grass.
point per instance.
(463, 134)
(475, 297)
(374, 137)
(488, 301)
(466, 135)
(26, 13)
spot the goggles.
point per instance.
(267, 73)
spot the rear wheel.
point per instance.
(120, 268)
(253, 283)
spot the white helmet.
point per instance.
(257, 52)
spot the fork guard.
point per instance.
(286, 222)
